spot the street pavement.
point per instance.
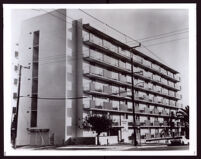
(119, 147)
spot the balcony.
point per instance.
(95, 76)
(106, 50)
(106, 65)
(147, 136)
(107, 89)
(164, 113)
(137, 99)
(118, 69)
(155, 111)
(123, 107)
(147, 123)
(156, 123)
(107, 105)
(120, 83)
(137, 62)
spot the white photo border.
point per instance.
(9, 151)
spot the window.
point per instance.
(15, 95)
(96, 39)
(150, 86)
(85, 35)
(147, 63)
(85, 67)
(122, 78)
(156, 67)
(130, 106)
(114, 48)
(35, 80)
(170, 74)
(16, 54)
(106, 59)
(106, 44)
(99, 71)
(115, 104)
(122, 64)
(115, 89)
(114, 62)
(85, 51)
(15, 81)
(114, 75)
(99, 86)
(137, 58)
(151, 97)
(15, 67)
(33, 118)
(128, 66)
(128, 79)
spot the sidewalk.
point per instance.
(119, 147)
(116, 147)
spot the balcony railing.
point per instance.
(123, 78)
(119, 55)
(140, 87)
(142, 99)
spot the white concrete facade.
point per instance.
(68, 67)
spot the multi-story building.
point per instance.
(72, 61)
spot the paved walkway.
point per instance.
(118, 147)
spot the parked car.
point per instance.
(184, 140)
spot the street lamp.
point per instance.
(18, 100)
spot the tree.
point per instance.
(97, 123)
(183, 115)
(171, 123)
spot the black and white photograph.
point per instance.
(115, 79)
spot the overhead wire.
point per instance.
(163, 34)
(167, 41)
(124, 35)
(163, 37)
(109, 27)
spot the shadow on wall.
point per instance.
(80, 141)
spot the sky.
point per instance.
(138, 24)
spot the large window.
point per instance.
(34, 101)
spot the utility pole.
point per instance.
(133, 103)
(133, 97)
(18, 100)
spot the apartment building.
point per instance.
(107, 83)
(82, 61)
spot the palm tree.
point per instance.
(171, 123)
(183, 115)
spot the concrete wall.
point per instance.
(51, 75)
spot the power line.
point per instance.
(167, 41)
(56, 16)
(153, 53)
(108, 25)
(64, 15)
(111, 28)
(162, 34)
(163, 37)
(121, 33)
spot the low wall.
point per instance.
(80, 141)
(108, 140)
